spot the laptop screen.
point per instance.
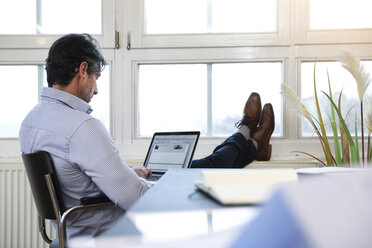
(171, 150)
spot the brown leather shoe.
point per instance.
(263, 133)
(252, 112)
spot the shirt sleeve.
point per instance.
(95, 153)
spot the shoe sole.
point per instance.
(269, 149)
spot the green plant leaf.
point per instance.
(354, 154)
(344, 142)
(356, 135)
(327, 149)
(336, 142)
(310, 155)
(369, 153)
(334, 127)
(362, 128)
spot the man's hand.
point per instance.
(142, 171)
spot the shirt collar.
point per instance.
(66, 98)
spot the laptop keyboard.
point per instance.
(155, 177)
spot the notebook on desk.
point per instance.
(243, 186)
(170, 150)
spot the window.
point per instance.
(28, 29)
(219, 65)
(201, 23)
(17, 103)
(35, 24)
(194, 65)
(49, 17)
(16, 20)
(173, 95)
(207, 97)
(333, 22)
(340, 14)
(210, 16)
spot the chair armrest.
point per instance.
(94, 200)
(86, 202)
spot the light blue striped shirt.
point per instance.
(86, 158)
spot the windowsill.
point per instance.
(134, 153)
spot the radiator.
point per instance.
(294, 164)
(18, 214)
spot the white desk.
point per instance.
(328, 210)
(172, 210)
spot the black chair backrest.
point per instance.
(37, 166)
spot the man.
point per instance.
(86, 159)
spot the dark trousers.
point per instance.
(234, 152)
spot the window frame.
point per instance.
(296, 44)
(136, 38)
(134, 147)
(303, 34)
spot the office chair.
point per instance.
(47, 195)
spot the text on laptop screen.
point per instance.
(171, 151)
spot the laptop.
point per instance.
(170, 150)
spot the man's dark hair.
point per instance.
(67, 53)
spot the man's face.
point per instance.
(89, 87)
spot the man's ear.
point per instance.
(83, 68)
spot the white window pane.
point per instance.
(56, 17)
(178, 97)
(18, 94)
(243, 16)
(340, 14)
(209, 16)
(71, 16)
(341, 80)
(171, 98)
(232, 85)
(101, 102)
(175, 16)
(17, 17)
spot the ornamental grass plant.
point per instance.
(346, 150)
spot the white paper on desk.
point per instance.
(251, 186)
(329, 170)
